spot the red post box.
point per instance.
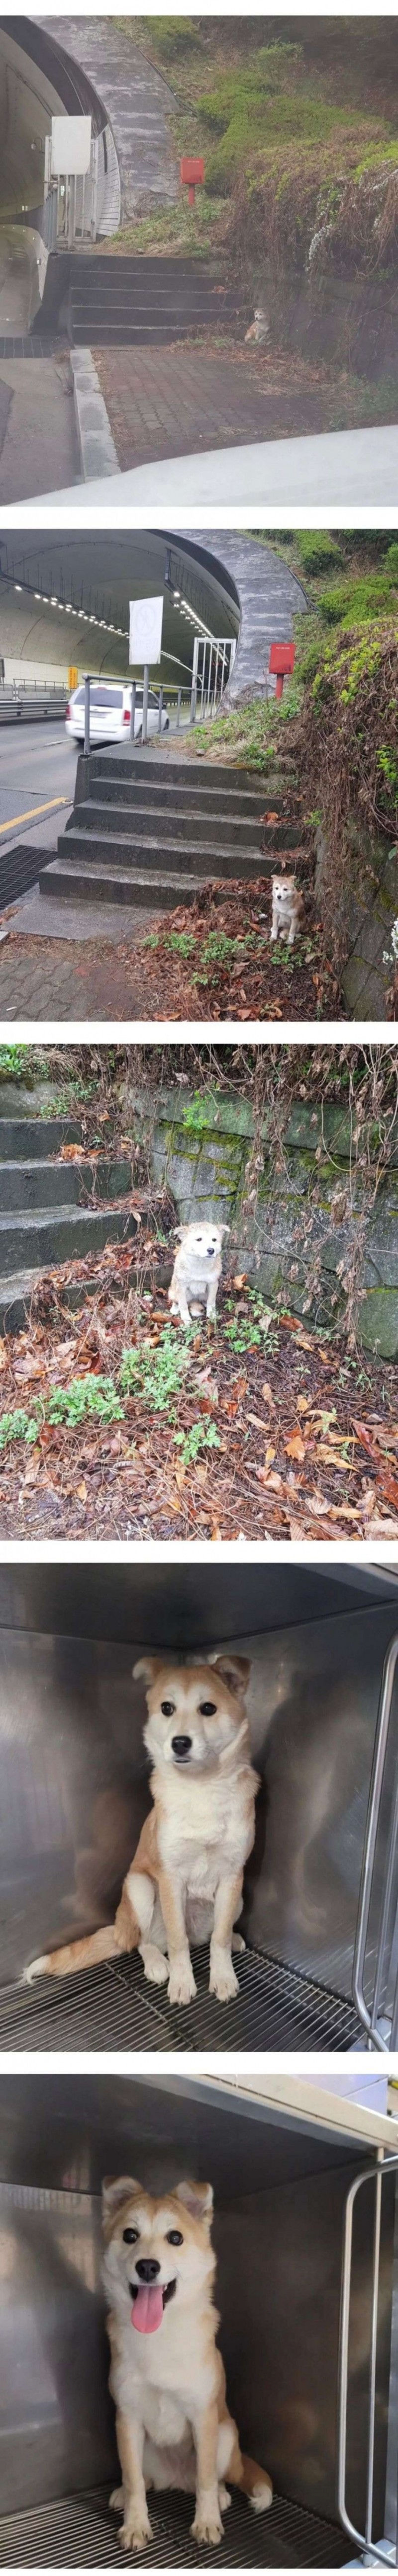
(281, 661)
(192, 175)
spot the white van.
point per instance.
(110, 711)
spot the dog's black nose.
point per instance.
(181, 1744)
(147, 2271)
(210, 1251)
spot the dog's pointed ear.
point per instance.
(234, 1670)
(147, 1667)
(197, 2197)
(116, 2189)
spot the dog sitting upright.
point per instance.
(186, 1881)
(197, 1270)
(167, 2378)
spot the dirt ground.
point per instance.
(274, 1430)
(214, 961)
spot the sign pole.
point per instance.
(132, 712)
(145, 695)
(87, 712)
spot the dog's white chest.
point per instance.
(163, 2415)
(203, 1831)
(199, 1273)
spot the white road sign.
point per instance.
(70, 146)
(146, 620)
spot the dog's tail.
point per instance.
(253, 2481)
(78, 1954)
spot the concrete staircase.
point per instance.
(52, 1211)
(121, 302)
(149, 834)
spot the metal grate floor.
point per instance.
(79, 2531)
(115, 2007)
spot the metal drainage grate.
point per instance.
(19, 869)
(114, 2007)
(38, 347)
(79, 2531)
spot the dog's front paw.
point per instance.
(181, 1989)
(154, 1963)
(223, 1981)
(116, 2500)
(207, 2527)
(136, 2528)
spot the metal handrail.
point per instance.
(382, 2552)
(366, 2014)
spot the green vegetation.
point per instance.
(245, 1331)
(155, 1372)
(202, 1435)
(85, 1398)
(297, 121)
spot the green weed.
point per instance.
(202, 1435)
(155, 1373)
(86, 1396)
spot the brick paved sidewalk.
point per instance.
(172, 401)
(50, 979)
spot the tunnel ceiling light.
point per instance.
(17, 585)
(54, 603)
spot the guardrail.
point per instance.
(23, 701)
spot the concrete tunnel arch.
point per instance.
(228, 580)
(38, 80)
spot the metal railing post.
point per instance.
(160, 713)
(145, 695)
(179, 697)
(384, 2163)
(368, 2017)
(132, 710)
(194, 689)
(87, 712)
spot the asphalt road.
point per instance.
(37, 779)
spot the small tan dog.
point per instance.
(167, 2378)
(287, 909)
(186, 1881)
(197, 1270)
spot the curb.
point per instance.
(97, 450)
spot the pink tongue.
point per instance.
(147, 2310)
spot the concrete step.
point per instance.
(29, 1185)
(138, 824)
(185, 800)
(93, 333)
(16, 1291)
(22, 1139)
(190, 773)
(149, 303)
(59, 1234)
(203, 858)
(162, 890)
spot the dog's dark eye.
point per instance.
(173, 2236)
(130, 2235)
(167, 1707)
(207, 1708)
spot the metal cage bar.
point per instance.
(368, 2016)
(382, 2552)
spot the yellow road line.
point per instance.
(32, 811)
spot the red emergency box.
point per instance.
(281, 662)
(192, 174)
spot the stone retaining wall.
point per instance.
(307, 1213)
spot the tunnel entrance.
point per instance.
(64, 610)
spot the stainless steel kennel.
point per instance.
(321, 1909)
(309, 2338)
